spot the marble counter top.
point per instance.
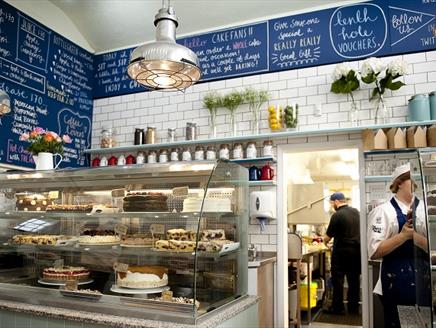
(263, 258)
(209, 320)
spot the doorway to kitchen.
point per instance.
(310, 174)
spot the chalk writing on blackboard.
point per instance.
(296, 41)
(17, 153)
(406, 22)
(22, 76)
(358, 30)
(33, 43)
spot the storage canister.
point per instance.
(419, 108)
(191, 131)
(224, 151)
(199, 153)
(152, 157)
(139, 136)
(108, 137)
(150, 135)
(251, 150)
(210, 153)
(186, 154)
(238, 152)
(163, 156)
(268, 148)
(175, 155)
(432, 99)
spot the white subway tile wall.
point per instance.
(309, 87)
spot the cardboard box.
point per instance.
(416, 137)
(396, 138)
(431, 136)
(374, 139)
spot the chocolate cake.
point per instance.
(145, 202)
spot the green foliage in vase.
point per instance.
(255, 99)
(212, 101)
(232, 100)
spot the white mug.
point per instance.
(103, 161)
(121, 160)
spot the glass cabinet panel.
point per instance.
(157, 241)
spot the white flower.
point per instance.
(397, 67)
(341, 70)
(371, 65)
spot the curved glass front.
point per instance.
(157, 241)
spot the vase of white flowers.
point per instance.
(373, 71)
(345, 81)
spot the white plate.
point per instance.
(123, 290)
(66, 242)
(78, 294)
(136, 246)
(62, 283)
(99, 244)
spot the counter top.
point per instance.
(263, 258)
(209, 320)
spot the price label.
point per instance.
(118, 192)
(167, 295)
(53, 194)
(120, 229)
(59, 263)
(71, 285)
(157, 229)
(121, 267)
(181, 191)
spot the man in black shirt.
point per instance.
(344, 228)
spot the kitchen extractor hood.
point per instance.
(164, 65)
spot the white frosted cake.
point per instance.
(193, 204)
(143, 277)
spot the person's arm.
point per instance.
(392, 243)
(326, 239)
(330, 233)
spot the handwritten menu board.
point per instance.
(49, 81)
(412, 25)
(231, 52)
(361, 30)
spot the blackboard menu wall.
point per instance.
(373, 28)
(50, 84)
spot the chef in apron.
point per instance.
(390, 238)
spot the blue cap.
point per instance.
(337, 196)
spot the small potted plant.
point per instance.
(212, 101)
(255, 100)
(44, 145)
(232, 101)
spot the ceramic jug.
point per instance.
(130, 160)
(95, 162)
(112, 161)
(121, 160)
(267, 173)
(103, 161)
(44, 161)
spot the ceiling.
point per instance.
(114, 24)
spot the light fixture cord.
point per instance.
(168, 3)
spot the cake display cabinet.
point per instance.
(155, 241)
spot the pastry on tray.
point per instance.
(99, 236)
(144, 276)
(65, 273)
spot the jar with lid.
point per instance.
(175, 155)
(251, 150)
(191, 131)
(108, 137)
(419, 108)
(163, 156)
(140, 158)
(186, 154)
(238, 152)
(268, 148)
(210, 153)
(199, 153)
(150, 135)
(152, 157)
(224, 151)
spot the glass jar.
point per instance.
(224, 151)
(238, 152)
(171, 135)
(191, 131)
(419, 108)
(140, 157)
(150, 135)
(186, 154)
(210, 153)
(251, 150)
(199, 153)
(152, 157)
(108, 137)
(163, 156)
(268, 148)
(175, 155)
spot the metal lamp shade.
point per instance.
(164, 64)
(5, 103)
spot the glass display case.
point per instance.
(156, 241)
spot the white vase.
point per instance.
(44, 161)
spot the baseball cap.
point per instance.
(400, 170)
(337, 196)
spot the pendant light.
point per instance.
(163, 64)
(5, 103)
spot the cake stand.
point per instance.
(138, 292)
(62, 283)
